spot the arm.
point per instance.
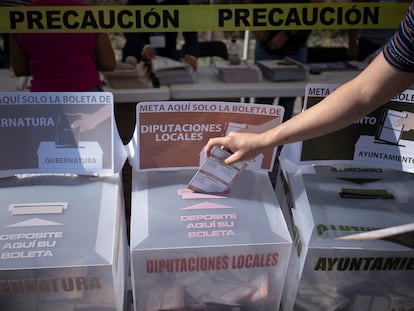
(191, 51)
(105, 56)
(19, 59)
(370, 89)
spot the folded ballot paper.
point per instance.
(282, 70)
(214, 176)
(244, 72)
(402, 234)
(169, 71)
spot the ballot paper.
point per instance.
(402, 234)
(214, 176)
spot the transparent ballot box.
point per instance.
(62, 243)
(201, 251)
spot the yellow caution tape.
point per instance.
(201, 17)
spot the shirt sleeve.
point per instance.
(399, 51)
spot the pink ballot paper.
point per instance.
(214, 176)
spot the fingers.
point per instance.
(232, 159)
(148, 53)
(191, 60)
(399, 122)
(213, 142)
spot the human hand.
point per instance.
(243, 146)
(148, 53)
(407, 122)
(191, 60)
(85, 122)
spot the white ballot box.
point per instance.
(62, 243)
(326, 193)
(198, 251)
(330, 274)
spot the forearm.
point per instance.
(370, 89)
(350, 102)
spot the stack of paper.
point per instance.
(244, 72)
(169, 71)
(282, 70)
(127, 76)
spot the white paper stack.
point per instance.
(244, 72)
(127, 76)
(169, 71)
(282, 70)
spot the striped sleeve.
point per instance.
(399, 51)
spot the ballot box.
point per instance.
(62, 243)
(197, 251)
(326, 194)
(330, 274)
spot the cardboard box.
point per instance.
(200, 251)
(62, 243)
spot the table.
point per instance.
(9, 81)
(134, 96)
(211, 87)
(9, 84)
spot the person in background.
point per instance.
(390, 73)
(364, 44)
(4, 52)
(146, 46)
(61, 62)
(278, 44)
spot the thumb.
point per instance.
(232, 159)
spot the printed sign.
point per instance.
(383, 138)
(56, 133)
(228, 17)
(172, 135)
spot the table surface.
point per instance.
(9, 83)
(208, 87)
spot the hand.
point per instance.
(88, 121)
(243, 146)
(191, 60)
(407, 122)
(148, 53)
